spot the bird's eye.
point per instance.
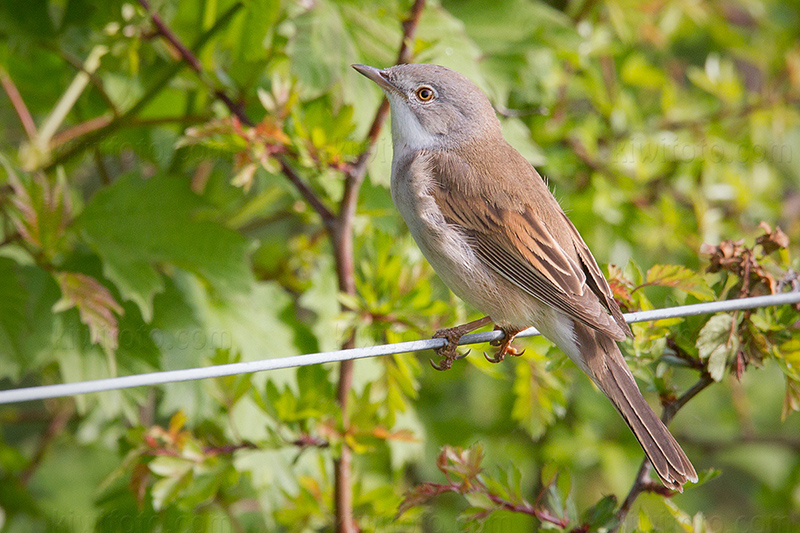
(425, 94)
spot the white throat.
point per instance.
(407, 132)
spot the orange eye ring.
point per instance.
(425, 94)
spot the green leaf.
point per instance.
(259, 18)
(13, 318)
(539, 395)
(137, 225)
(248, 323)
(716, 344)
(704, 476)
(681, 278)
(321, 49)
(602, 514)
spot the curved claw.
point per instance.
(447, 362)
(441, 367)
(496, 359)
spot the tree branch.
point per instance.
(191, 59)
(642, 482)
(91, 139)
(19, 105)
(342, 237)
(339, 226)
(328, 218)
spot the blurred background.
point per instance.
(202, 182)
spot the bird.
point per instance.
(489, 226)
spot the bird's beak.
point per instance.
(377, 75)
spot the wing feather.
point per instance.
(518, 245)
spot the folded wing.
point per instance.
(523, 247)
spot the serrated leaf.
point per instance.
(39, 208)
(680, 278)
(321, 49)
(135, 225)
(472, 518)
(716, 345)
(96, 307)
(602, 513)
(480, 500)
(539, 395)
(166, 490)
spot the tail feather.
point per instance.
(608, 369)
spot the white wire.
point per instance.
(170, 376)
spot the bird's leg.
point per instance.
(453, 335)
(504, 345)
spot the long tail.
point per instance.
(608, 369)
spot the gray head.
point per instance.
(433, 106)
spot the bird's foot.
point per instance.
(448, 352)
(504, 345)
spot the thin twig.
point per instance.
(103, 121)
(525, 508)
(191, 59)
(19, 105)
(305, 190)
(54, 429)
(187, 55)
(642, 482)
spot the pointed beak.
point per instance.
(377, 75)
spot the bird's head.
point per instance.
(433, 106)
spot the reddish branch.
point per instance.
(342, 237)
(188, 57)
(19, 104)
(339, 226)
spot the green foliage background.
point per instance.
(143, 229)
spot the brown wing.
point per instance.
(521, 242)
(596, 280)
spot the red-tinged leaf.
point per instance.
(464, 463)
(138, 484)
(96, 307)
(621, 287)
(40, 209)
(680, 278)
